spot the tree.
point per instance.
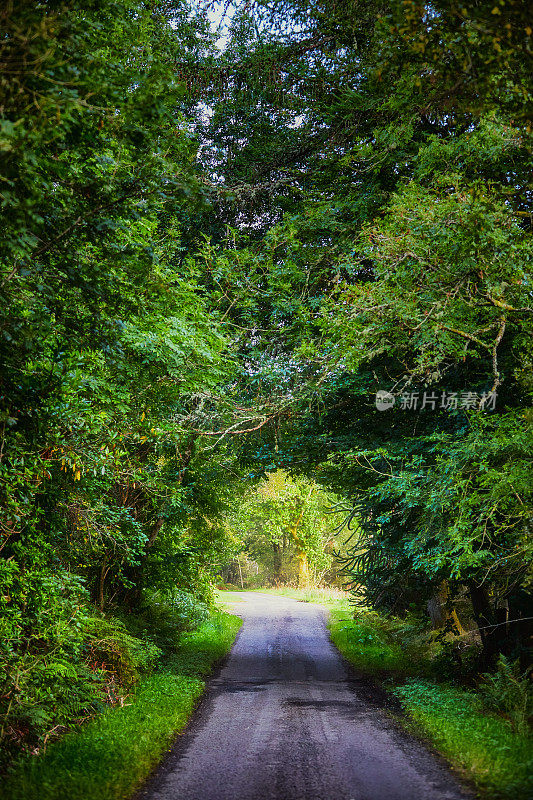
(402, 262)
(284, 527)
(103, 340)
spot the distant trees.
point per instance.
(285, 529)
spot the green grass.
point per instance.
(372, 647)
(224, 597)
(324, 596)
(109, 758)
(480, 745)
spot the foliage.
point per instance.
(103, 340)
(111, 756)
(211, 261)
(284, 528)
(76, 670)
(508, 690)
(110, 648)
(384, 242)
(380, 645)
(164, 622)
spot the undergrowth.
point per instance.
(482, 730)
(379, 645)
(109, 757)
(73, 671)
(481, 745)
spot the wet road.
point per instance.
(284, 720)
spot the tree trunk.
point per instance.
(304, 576)
(440, 612)
(493, 635)
(277, 564)
(99, 593)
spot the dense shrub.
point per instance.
(162, 621)
(109, 648)
(76, 668)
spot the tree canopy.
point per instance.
(213, 258)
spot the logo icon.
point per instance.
(384, 400)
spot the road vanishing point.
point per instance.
(286, 719)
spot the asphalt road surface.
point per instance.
(286, 720)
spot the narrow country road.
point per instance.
(285, 721)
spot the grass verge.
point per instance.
(323, 596)
(480, 745)
(225, 597)
(110, 757)
(371, 650)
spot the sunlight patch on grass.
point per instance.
(323, 596)
(229, 597)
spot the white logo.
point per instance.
(384, 400)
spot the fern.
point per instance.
(509, 691)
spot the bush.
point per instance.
(51, 694)
(163, 621)
(83, 661)
(80, 664)
(112, 650)
(45, 682)
(111, 756)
